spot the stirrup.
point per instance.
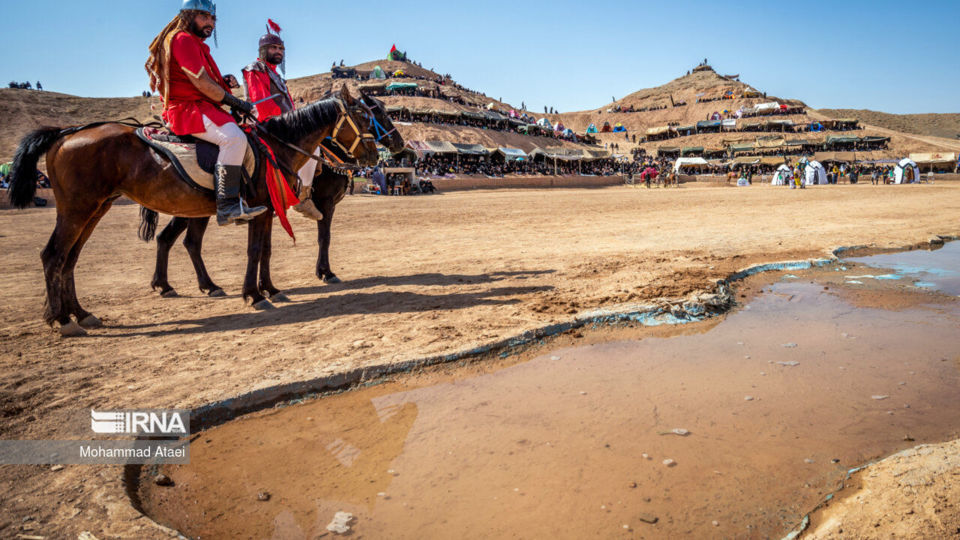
(247, 213)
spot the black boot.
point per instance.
(230, 207)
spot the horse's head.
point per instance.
(354, 130)
(381, 125)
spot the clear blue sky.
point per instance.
(899, 57)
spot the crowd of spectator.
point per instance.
(25, 85)
(443, 165)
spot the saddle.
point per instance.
(193, 159)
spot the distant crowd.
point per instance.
(25, 85)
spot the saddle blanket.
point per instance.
(193, 159)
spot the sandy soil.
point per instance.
(423, 275)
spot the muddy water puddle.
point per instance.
(735, 432)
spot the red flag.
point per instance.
(274, 26)
(394, 48)
(281, 196)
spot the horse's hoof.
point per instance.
(264, 305)
(216, 293)
(72, 329)
(332, 279)
(91, 321)
(170, 293)
(279, 297)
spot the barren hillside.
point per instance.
(946, 125)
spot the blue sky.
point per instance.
(899, 57)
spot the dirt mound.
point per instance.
(26, 110)
(945, 125)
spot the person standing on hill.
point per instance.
(261, 81)
(193, 90)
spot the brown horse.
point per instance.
(666, 178)
(91, 166)
(329, 187)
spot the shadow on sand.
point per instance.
(354, 303)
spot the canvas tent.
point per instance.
(730, 124)
(377, 73)
(767, 108)
(512, 154)
(782, 176)
(401, 86)
(470, 149)
(938, 160)
(689, 162)
(440, 147)
(619, 128)
(814, 174)
(906, 172)
(592, 128)
(545, 124)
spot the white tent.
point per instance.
(906, 172)
(814, 173)
(767, 107)
(689, 162)
(544, 123)
(782, 176)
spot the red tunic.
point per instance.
(186, 104)
(259, 86)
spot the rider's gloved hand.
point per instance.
(237, 104)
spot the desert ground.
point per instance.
(422, 276)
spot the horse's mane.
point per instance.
(294, 125)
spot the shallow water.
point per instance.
(938, 269)
(779, 400)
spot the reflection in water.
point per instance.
(779, 400)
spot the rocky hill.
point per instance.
(696, 96)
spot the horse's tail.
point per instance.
(23, 174)
(148, 224)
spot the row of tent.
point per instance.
(733, 124)
(776, 145)
(430, 148)
(541, 127)
(905, 171)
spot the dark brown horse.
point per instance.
(91, 166)
(329, 187)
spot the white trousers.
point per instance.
(229, 137)
(308, 170)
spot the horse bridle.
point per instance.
(347, 120)
(375, 126)
(327, 157)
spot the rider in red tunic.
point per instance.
(261, 81)
(193, 90)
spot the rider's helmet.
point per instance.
(199, 5)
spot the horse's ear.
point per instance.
(345, 95)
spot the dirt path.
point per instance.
(423, 275)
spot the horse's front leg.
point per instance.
(324, 272)
(196, 228)
(266, 284)
(255, 237)
(165, 241)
